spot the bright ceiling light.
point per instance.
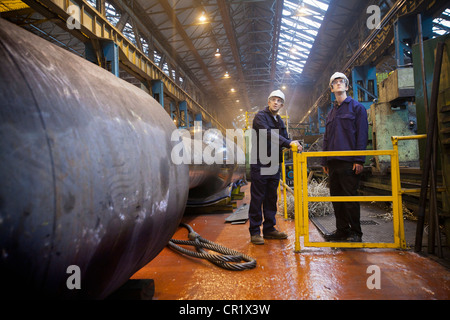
(202, 17)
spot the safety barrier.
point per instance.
(302, 198)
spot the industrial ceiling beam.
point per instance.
(276, 38)
(226, 20)
(179, 28)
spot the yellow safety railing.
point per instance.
(283, 184)
(302, 198)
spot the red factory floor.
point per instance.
(282, 274)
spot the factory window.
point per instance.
(441, 25)
(144, 46)
(129, 33)
(156, 57)
(111, 14)
(93, 3)
(300, 24)
(165, 68)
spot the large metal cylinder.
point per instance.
(211, 182)
(85, 170)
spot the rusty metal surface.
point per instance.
(85, 171)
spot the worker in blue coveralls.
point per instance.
(271, 134)
(346, 129)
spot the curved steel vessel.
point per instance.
(85, 171)
(212, 182)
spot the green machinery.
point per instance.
(394, 114)
(400, 111)
(443, 117)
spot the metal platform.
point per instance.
(375, 228)
(240, 216)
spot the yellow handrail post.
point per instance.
(304, 192)
(297, 199)
(396, 194)
(400, 191)
(283, 170)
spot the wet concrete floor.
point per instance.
(282, 274)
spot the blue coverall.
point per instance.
(346, 129)
(264, 187)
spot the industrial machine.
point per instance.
(394, 114)
(439, 95)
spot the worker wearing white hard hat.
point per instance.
(276, 102)
(270, 132)
(277, 93)
(338, 75)
(346, 130)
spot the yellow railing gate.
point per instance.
(302, 198)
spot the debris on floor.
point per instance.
(388, 215)
(315, 209)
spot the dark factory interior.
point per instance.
(130, 135)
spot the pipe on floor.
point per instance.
(87, 185)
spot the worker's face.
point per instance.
(275, 104)
(338, 85)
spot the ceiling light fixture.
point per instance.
(217, 53)
(202, 17)
(302, 11)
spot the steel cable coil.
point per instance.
(227, 259)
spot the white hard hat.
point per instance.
(337, 75)
(277, 93)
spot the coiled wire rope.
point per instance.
(228, 259)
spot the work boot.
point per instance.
(275, 235)
(257, 239)
(336, 236)
(354, 238)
